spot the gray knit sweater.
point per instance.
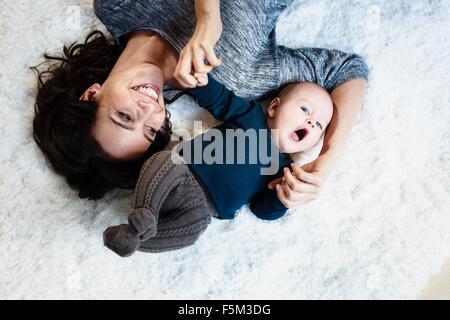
(252, 62)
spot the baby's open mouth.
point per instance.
(300, 134)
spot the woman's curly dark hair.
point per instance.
(62, 123)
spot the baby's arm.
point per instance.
(267, 206)
(221, 102)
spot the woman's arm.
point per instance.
(201, 46)
(347, 99)
(302, 187)
(207, 10)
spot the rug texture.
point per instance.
(379, 229)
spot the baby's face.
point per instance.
(300, 115)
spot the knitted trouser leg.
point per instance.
(177, 231)
(174, 195)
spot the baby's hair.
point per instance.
(287, 89)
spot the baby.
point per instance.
(212, 175)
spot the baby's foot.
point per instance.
(122, 239)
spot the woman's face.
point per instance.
(131, 110)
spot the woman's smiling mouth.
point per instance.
(149, 90)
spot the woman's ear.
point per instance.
(272, 110)
(90, 92)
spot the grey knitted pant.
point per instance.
(182, 207)
(171, 209)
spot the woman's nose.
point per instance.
(150, 107)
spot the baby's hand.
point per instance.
(296, 187)
(202, 79)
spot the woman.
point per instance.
(101, 113)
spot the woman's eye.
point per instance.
(319, 125)
(150, 129)
(305, 110)
(125, 116)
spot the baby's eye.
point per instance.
(125, 116)
(319, 125)
(305, 109)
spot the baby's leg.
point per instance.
(177, 232)
(184, 216)
(162, 186)
(158, 177)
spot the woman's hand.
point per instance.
(303, 184)
(198, 56)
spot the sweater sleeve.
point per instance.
(267, 206)
(174, 20)
(328, 68)
(222, 103)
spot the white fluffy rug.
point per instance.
(380, 228)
